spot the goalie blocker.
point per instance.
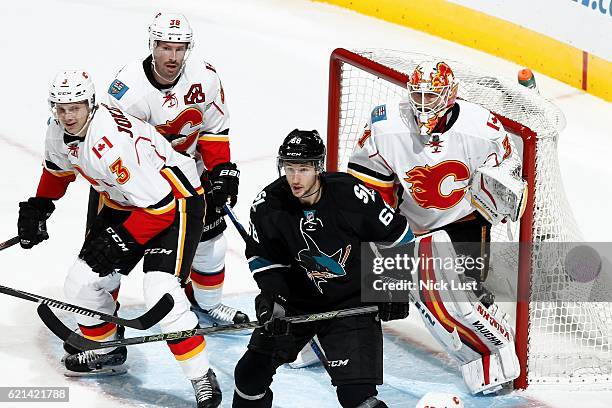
(478, 338)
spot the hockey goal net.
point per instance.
(558, 341)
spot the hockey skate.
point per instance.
(91, 363)
(219, 315)
(207, 390)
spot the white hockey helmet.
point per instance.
(170, 27)
(440, 400)
(432, 89)
(70, 87)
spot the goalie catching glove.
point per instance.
(498, 191)
(111, 249)
(224, 179)
(32, 222)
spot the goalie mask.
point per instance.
(432, 89)
(302, 146)
(72, 87)
(174, 28)
(440, 400)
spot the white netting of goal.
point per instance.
(569, 341)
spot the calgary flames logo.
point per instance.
(427, 182)
(178, 126)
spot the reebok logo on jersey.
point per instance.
(379, 113)
(117, 89)
(102, 146)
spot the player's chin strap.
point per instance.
(86, 125)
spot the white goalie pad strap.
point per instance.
(468, 331)
(499, 191)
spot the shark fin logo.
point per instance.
(319, 266)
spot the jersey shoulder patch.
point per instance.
(117, 89)
(379, 113)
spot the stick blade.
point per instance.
(153, 315)
(58, 328)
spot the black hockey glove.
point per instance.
(270, 313)
(393, 311)
(111, 249)
(224, 180)
(32, 222)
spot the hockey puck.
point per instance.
(583, 264)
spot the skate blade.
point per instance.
(103, 372)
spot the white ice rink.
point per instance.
(272, 56)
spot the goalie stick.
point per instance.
(143, 322)
(9, 243)
(76, 340)
(246, 237)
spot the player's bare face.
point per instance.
(72, 116)
(168, 58)
(303, 181)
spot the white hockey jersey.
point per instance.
(428, 177)
(192, 114)
(124, 159)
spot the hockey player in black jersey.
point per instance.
(307, 228)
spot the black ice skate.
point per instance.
(91, 363)
(207, 390)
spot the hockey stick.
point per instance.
(246, 237)
(9, 243)
(143, 322)
(82, 343)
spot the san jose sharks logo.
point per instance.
(319, 266)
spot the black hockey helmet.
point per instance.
(301, 146)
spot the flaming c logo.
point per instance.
(189, 116)
(427, 181)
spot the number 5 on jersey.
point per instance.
(123, 174)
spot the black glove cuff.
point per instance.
(44, 205)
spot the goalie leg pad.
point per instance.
(307, 356)
(469, 332)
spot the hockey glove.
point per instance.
(112, 249)
(393, 311)
(32, 222)
(270, 313)
(224, 180)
